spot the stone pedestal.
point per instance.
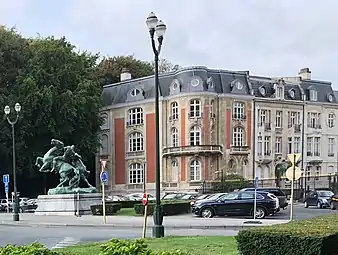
(67, 204)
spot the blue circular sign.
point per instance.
(104, 176)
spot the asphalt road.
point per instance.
(58, 237)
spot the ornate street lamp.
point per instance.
(7, 111)
(158, 27)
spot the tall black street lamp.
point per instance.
(159, 27)
(7, 111)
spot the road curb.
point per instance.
(121, 226)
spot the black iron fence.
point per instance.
(301, 186)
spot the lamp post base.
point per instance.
(15, 217)
(158, 231)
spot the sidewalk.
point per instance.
(173, 222)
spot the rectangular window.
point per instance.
(331, 147)
(296, 144)
(238, 110)
(278, 146)
(260, 146)
(195, 108)
(309, 147)
(267, 145)
(279, 119)
(317, 146)
(290, 145)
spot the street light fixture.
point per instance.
(158, 27)
(7, 111)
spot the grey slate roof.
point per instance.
(212, 80)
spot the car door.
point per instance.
(228, 204)
(246, 202)
(312, 198)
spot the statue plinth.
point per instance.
(67, 204)
(67, 190)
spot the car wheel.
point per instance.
(332, 206)
(20, 210)
(207, 213)
(319, 205)
(260, 213)
(306, 205)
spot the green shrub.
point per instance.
(111, 209)
(170, 207)
(129, 247)
(316, 236)
(125, 204)
(33, 249)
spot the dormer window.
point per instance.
(292, 93)
(313, 95)
(195, 82)
(239, 85)
(135, 92)
(330, 98)
(262, 91)
(280, 92)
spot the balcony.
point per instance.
(238, 116)
(264, 158)
(267, 127)
(137, 122)
(134, 154)
(192, 150)
(314, 157)
(239, 150)
(315, 126)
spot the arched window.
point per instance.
(105, 123)
(174, 170)
(174, 111)
(104, 145)
(135, 116)
(136, 142)
(195, 108)
(238, 137)
(174, 137)
(136, 173)
(195, 136)
(195, 170)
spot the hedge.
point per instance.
(125, 204)
(111, 209)
(316, 236)
(169, 208)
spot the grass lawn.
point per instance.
(199, 245)
(127, 212)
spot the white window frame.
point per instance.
(174, 170)
(135, 116)
(174, 137)
(290, 145)
(316, 146)
(136, 142)
(293, 118)
(174, 110)
(331, 146)
(331, 120)
(262, 116)
(267, 145)
(238, 110)
(238, 137)
(195, 108)
(136, 173)
(259, 145)
(195, 136)
(278, 146)
(309, 146)
(296, 144)
(313, 95)
(280, 92)
(195, 170)
(279, 119)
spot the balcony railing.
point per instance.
(188, 150)
(267, 126)
(238, 116)
(298, 128)
(136, 122)
(244, 149)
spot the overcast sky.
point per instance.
(270, 38)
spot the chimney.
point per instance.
(305, 74)
(125, 74)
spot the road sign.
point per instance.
(103, 163)
(294, 157)
(145, 199)
(104, 176)
(256, 182)
(289, 173)
(6, 188)
(5, 178)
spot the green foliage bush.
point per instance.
(125, 204)
(33, 249)
(111, 209)
(316, 236)
(128, 247)
(170, 207)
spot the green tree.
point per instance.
(165, 66)
(109, 69)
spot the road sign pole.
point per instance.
(145, 203)
(7, 202)
(255, 199)
(103, 179)
(292, 186)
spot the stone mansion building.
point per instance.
(215, 122)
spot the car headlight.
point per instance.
(324, 200)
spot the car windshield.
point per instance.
(202, 197)
(185, 197)
(325, 193)
(170, 196)
(229, 196)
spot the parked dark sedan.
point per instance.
(334, 202)
(237, 203)
(319, 198)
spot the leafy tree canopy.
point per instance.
(59, 95)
